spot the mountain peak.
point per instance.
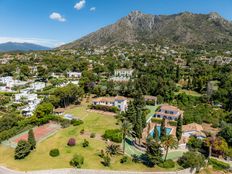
(183, 28)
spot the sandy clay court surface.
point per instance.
(41, 133)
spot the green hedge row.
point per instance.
(219, 165)
(105, 108)
(114, 135)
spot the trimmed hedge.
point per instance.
(172, 123)
(105, 108)
(156, 120)
(75, 122)
(54, 152)
(219, 165)
(114, 135)
(167, 164)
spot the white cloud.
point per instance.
(93, 9)
(80, 5)
(44, 42)
(57, 17)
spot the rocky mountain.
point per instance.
(184, 28)
(13, 46)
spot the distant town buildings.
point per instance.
(121, 75)
(74, 74)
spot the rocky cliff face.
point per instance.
(183, 28)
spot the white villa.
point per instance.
(9, 82)
(37, 86)
(169, 112)
(74, 74)
(121, 75)
(193, 129)
(118, 101)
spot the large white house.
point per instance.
(74, 74)
(169, 112)
(37, 86)
(118, 101)
(123, 72)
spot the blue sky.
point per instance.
(53, 22)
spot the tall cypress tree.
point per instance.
(31, 139)
(156, 133)
(162, 129)
(179, 128)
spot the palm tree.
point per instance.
(113, 149)
(169, 142)
(126, 129)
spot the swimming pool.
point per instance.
(168, 131)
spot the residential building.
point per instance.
(149, 98)
(169, 112)
(193, 129)
(118, 101)
(74, 74)
(123, 72)
(37, 86)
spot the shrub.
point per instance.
(77, 161)
(92, 135)
(105, 108)
(85, 143)
(75, 122)
(172, 123)
(192, 159)
(219, 165)
(124, 159)
(156, 120)
(22, 150)
(71, 142)
(167, 164)
(114, 135)
(106, 160)
(82, 131)
(54, 152)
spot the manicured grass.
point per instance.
(189, 92)
(93, 122)
(152, 111)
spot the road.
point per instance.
(4, 170)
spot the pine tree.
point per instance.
(138, 128)
(177, 74)
(162, 129)
(154, 153)
(156, 134)
(179, 128)
(22, 150)
(31, 139)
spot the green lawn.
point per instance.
(189, 92)
(93, 122)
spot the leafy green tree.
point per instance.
(226, 133)
(179, 128)
(43, 109)
(194, 143)
(154, 152)
(126, 129)
(31, 139)
(162, 129)
(156, 134)
(22, 150)
(192, 159)
(169, 142)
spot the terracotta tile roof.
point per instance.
(149, 97)
(104, 99)
(169, 107)
(120, 98)
(192, 127)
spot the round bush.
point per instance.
(71, 142)
(92, 135)
(77, 161)
(167, 164)
(124, 159)
(85, 143)
(54, 152)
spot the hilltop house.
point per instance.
(118, 101)
(74, 74)
(149, 98)
(121, 75)
(168, 112)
